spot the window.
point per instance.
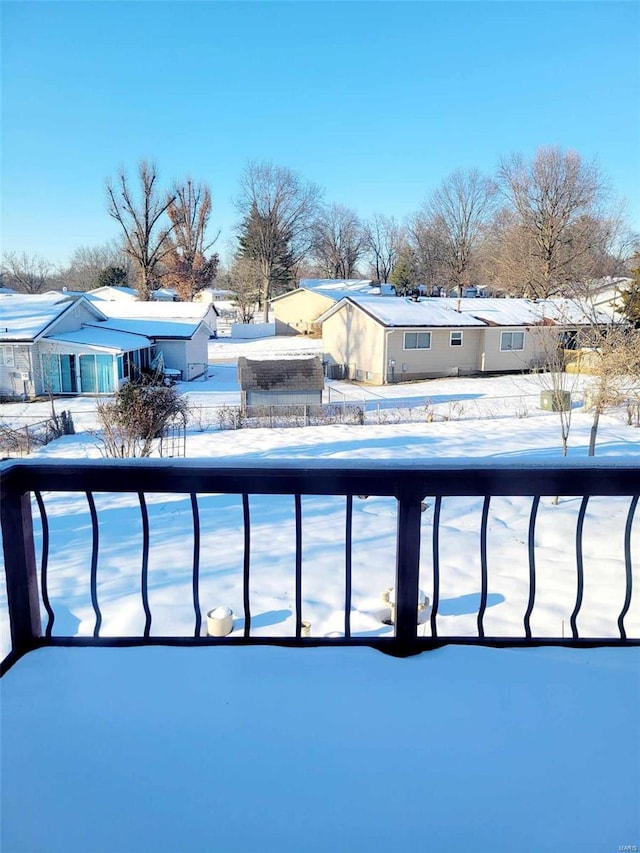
(456, 339)
(6, 357)
(511, 341)
(417, 340)
(96, 374)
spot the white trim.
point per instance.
(7, 356)
(456, 332)
(416, 347)
(511, 348)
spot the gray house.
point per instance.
(282, 382)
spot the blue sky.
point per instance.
(376, 102)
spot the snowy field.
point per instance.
(264, 749)
(495, 417)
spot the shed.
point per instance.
(280, 382)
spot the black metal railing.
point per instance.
(28, 588)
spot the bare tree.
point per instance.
(26, 273)
(460, 210)
(146, 239)
(89, 263)
(615, 368)
(278, 207)
(556, 200)
(383, 238)
(338, 242)
(426, 243)
(189, 270)
(245, 280)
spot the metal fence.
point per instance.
(27, 582)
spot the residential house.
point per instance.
(394, 340)
(296, 312)
(51, 343)
(280, 382)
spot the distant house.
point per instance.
(280, 382)
(393, 340)
(51, 343)
(113, 293)
(296, 312)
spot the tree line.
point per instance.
(539, 228)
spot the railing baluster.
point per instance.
(579, 566)
(44, 563)
(298, 505)
(627, 565)
(532, 565)
(483, 564)
(196, 565)
(246, 567)
(20, 571)
(347, 559)
(94, 563)
(436, 565)
(144, 576)
(408, 569)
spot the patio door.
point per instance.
(96, 374)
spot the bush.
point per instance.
(138, 414)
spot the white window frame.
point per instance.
(7, 356)
(417, 346)
(511, 348)
(460, 339)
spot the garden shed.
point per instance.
(286, 382)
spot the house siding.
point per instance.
(440, 360)
(352, 338)
(295, 313)
(537, 341)
(11, 382)
(190, 357)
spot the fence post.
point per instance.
(407, 569)
(20, 570)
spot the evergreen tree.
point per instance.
(402, 278)
(112, 277)
(267, 245)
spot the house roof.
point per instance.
(159, 319)
(110, 292)
(26, 316)
(336, 289)
(285, 374)
(179, 328)
(406, 312)
(101, 338)
(430, 312)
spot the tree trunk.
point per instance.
(594, 432)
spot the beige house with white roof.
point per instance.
(403, 339)
(297, 312)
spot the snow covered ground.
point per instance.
(331, 749)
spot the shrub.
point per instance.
(138, 414)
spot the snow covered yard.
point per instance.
(245, 749)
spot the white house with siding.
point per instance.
(51, 343)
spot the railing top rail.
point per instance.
(445, 477)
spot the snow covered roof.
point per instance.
(404, 311)
(24, 316)
(339, 284)
(178, 327)
(157, 310)
(103, 338)
(111, 292)
(437, 311)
